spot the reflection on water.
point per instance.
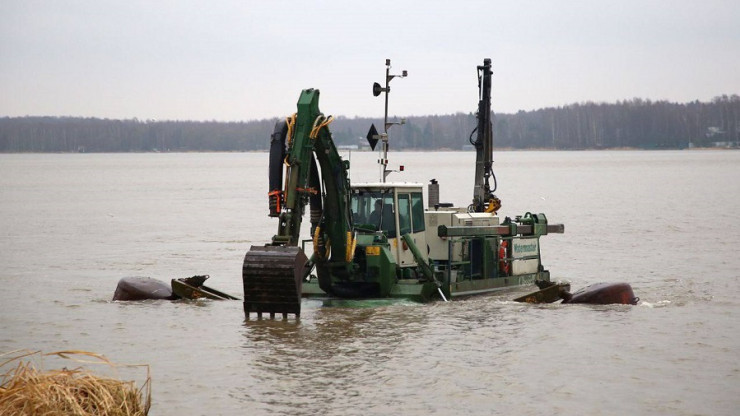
(328, 360)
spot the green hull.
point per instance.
(481, 286)
(414, 290)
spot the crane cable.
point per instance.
(290, 120)
(320, 123)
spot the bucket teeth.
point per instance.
(272, 277)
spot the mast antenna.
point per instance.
(372, 136)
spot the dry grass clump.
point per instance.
(25, 390)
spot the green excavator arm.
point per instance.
(272, 274)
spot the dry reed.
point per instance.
(25, 390)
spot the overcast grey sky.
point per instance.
(242, 60)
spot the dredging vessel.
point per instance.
(377, 240)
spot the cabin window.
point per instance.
(361, 205)
(387, 218)
(404, 213)
(375, 209)
(417, 212)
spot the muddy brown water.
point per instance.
(665, 221)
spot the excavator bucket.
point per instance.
(272, 277)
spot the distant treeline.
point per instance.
(634, 123)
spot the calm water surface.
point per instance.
(666, 222)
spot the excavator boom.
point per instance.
(301, 147)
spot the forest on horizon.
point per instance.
(636, 123)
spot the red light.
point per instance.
(401, 168)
